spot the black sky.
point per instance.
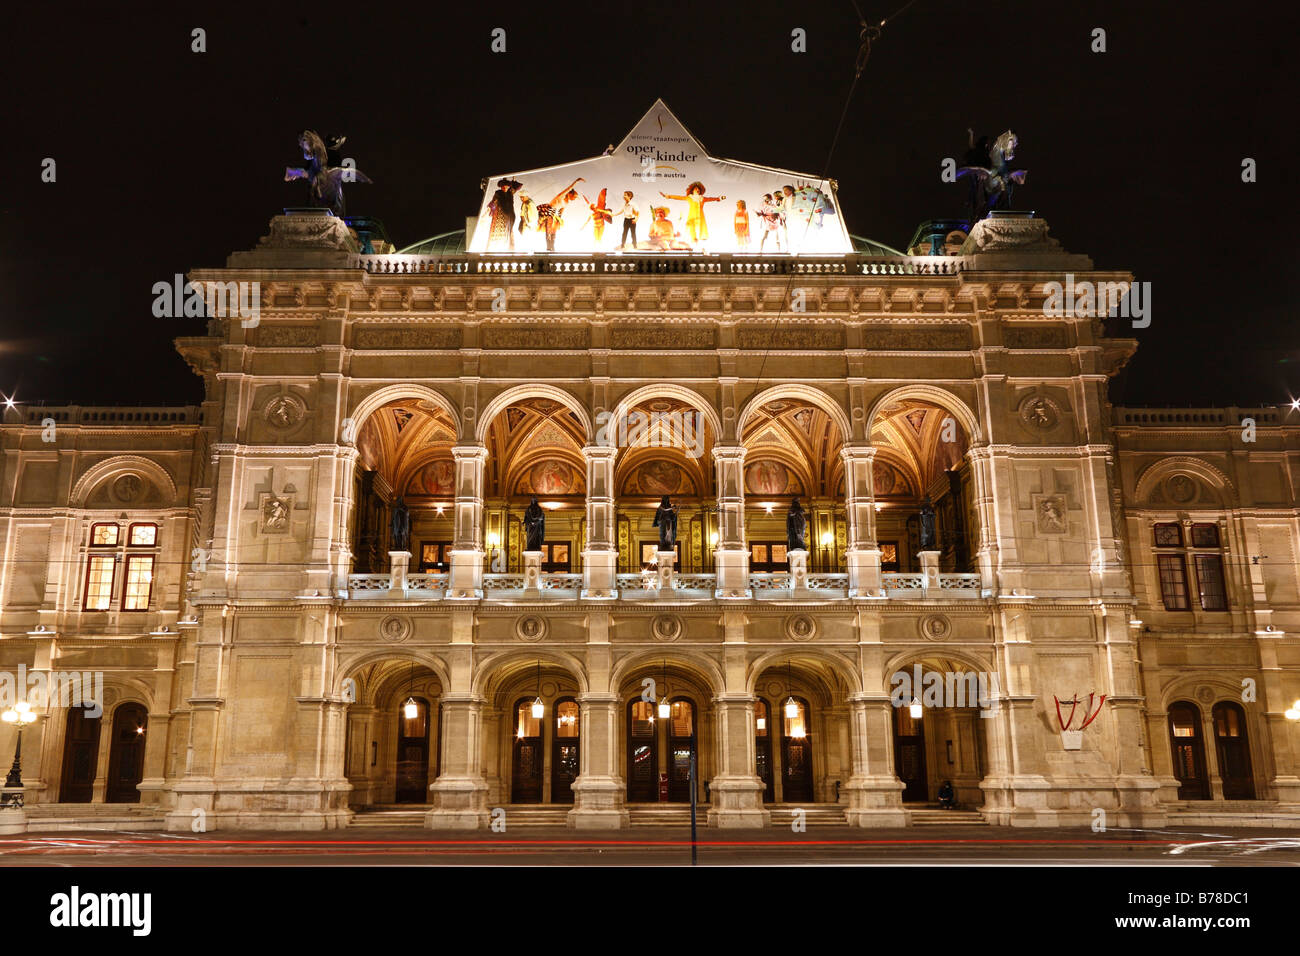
(168, 160)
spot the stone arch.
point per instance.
(919, 655)
(498, 403)
(1212, 476)
(354, 665)
(1184, 688)
(838, 667)
(103, 471)
(805, 393)
(935, 396)
(128, 690)
(377, 399)
(699, 666)
(497, 670)
(667, 390)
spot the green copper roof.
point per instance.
(453, 244)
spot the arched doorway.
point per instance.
(763, 748)
(1232, 747)
(80, 757)
(681, 748)
(413, 751)
(527, 756)
(939, 706)
(1188, 751)
(909, 754)
(126, 754)
(642, 753)
(796, 752)
(566, 758)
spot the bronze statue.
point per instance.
(325, 181)
(796, 525)
(992, 180)
(666, 522)
(927, 525)
(400, 527)
(534, 526)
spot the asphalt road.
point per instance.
(658, 846)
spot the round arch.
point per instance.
(499, 403)
(921, 655)
(1212, 476)
(667, 390)
(377, 399)
(839, 668)
(1184, 689)
(98, 473)
(805, 393)
(128, 690)
(934, 395)
(352, 666)
(496, 670)
(697, 665)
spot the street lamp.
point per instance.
(21, 714)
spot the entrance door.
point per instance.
(413, 753)
(526, 767)
(435, 556)
(80, 757)
(126, 754)
(681, 745)
(796, 752)
(763, 748)
(555, 556)
(888, 555)
(909, 755)
(1188, 751)
(642, 753)
(1233, 750)
(564, 760)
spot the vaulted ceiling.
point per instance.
(405, 441)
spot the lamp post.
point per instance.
(21, 714)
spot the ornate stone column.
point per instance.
(736, 792)
(874, 794)
(986, 554)
(863, 553)
(460, 792)
(731, 557)
(467, 548)
(600, 554)
(599, 792)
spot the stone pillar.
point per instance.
(599, 792)
(863, 554)
(929, 572)
(532, 573)
(798, 558)
(600, 556)
(664, 567)
(460, 792)
(987, 553)
(466, 579)
(873, 795)
(731, 557)
(735, 791)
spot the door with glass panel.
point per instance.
(1188, 750)
(564, 760)
(1233, 750)
(681, 747)
(527, 763)
(909, 755)
(413, 753)
(80, 757)
(796, 752)
(126, 754)
(642, 753)
(763, 748)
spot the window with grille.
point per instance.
(139, 582)
(1176, 561)
(99, 582)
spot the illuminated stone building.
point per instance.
(270, 659)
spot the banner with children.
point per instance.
(659, 191)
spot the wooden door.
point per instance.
(1233, 749)
(763, 748)
(565, 759)
(642, 753)
(126, 754)
(909, 755)
(80, 757)
(1188, 750)
(527, 763)
(796, 753)
(768, 556)
(413, 753)
(681, 746)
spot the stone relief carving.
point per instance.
(662, 338)
(287, 336)
(666, 627)
(535, 338)
(1040, 413)
(273, 513)
(934, 627)
(128, 488)
(530, 628)
(407, 339)
(284, 411)
(395, 629)
(1180, 488)
(800, 627)
(916, 339)
(315, 232)
(1019, 234)
(790, 338)
(1049, 510)
(1035, 337)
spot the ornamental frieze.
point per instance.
(535, 339)
(916, 339)
(287, 336)
(407, 339)
(790, 338)
(662, 338)
(1035, 337)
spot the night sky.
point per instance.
(168, 160)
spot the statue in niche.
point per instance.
(400, 527)
(927, 525)
(325, 181)
(666, 522)
(534, 526)
(796, 527)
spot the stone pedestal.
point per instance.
(930, 571)
(599, 570)
(466, 577)
(864, 572)
(399, 563)
(13, 818)
(732, 568)
(664, 571)
(532, 573)
(798, 558)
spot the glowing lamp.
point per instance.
(914, 708)
(791, 709)
(411, 709)
(539, 709)
(798, 732)
(665, 708)
(762, 723)
(828, 539)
